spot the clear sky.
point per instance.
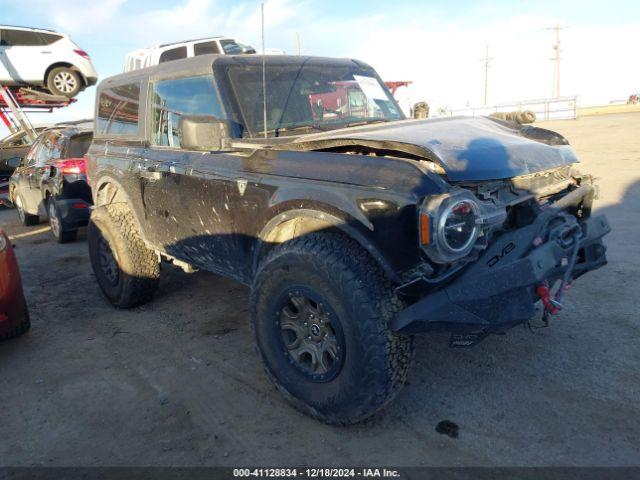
(437, 44)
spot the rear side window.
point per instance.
(78, 146)
(50, 149)
(49, 38)
(205, 47)
(173, 54)
(20, 38)
(118, 110)
(178, 98)
(30, 158)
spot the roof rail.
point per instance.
(162, 45)
(71, 123)
(31, 28)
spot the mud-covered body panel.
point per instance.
(213, 209)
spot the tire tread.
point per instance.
(344, 260)
(142, 268)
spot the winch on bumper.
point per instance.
(501, 288)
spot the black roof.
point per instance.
(204, 63)
(71, 129)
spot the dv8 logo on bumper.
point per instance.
(509, 247)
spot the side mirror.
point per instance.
(203, 132)
(247, 49)
(14, 162)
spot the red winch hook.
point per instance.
(550, 306)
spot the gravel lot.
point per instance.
(178, 382)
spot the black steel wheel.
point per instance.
(311, 334)
(108, 262)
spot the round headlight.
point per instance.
(458, 229)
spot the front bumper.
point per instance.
(499, 290)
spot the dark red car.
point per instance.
(14, 316)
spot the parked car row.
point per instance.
(51, 180)
(13, 149)
(48, 179)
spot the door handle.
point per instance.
(151, 175)
(150, 172)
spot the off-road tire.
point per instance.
(65, 82)
(25, 218)
(61, 236)
(20, 329)
(137, 268)
(376, 361)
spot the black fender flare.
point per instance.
(124, 197)
(351, 230)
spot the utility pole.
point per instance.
(298, 43)
(556, 61)
(486, 60)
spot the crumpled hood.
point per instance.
(468, 148)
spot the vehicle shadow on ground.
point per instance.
(511, 396)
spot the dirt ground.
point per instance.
(178, 382)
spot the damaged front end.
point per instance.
(494, 249)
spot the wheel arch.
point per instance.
(108, 190)
(291, 223)
(13, 187)
(66, 65)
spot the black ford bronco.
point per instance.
(355, 227)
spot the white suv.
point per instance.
(36, 57)
(146, 57)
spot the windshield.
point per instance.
(310, 97)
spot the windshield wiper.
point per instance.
(308, 126)
(365, 122)
(325, 127)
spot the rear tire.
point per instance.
(25, 218)
(55, 222)
(64, 82)
(127, 271)
(21, 328)
(331, 278)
